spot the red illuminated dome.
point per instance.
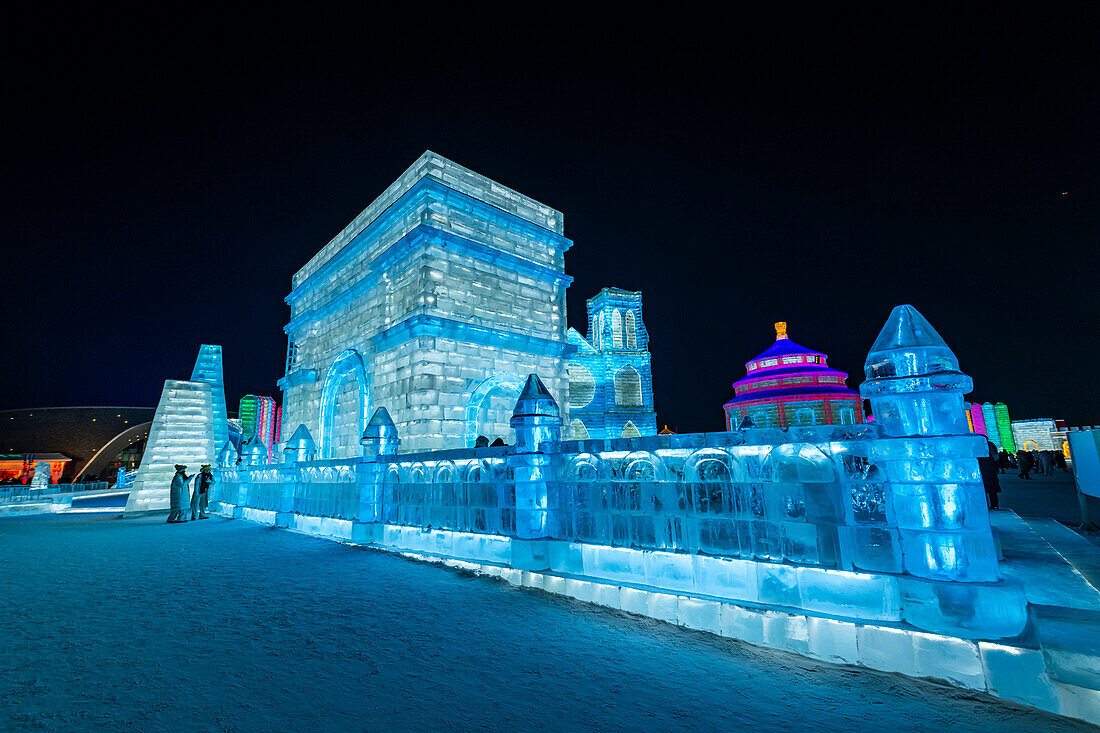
(791, 385)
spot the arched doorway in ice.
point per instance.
(340, 432)
(496, 394)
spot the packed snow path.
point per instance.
(134, 624)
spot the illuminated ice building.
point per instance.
(610, 380)
(436, 301)
(260, 418)
(790, 385)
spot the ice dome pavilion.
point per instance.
(789, 385)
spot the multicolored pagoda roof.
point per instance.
(787, 369)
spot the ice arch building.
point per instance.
(434, 301)
(610, 379)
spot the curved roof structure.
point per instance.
(786, 369)
(106, 454)
(78, 432)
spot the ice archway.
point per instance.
(505, 383)
(348, 365)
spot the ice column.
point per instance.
(181, 433)
(537, 421)
(929, 454)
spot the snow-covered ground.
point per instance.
(133, 624)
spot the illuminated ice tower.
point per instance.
(435, 301)
(929, 455)
(257, 415)
(610, 379)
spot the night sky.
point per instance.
(162, 186)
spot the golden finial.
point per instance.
(781, 330)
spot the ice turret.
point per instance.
(537, 422)
(536, 417)
(929, 454)
(255, 453)
(380, 436)
(300, 447)
(913, 379)
(227, 456)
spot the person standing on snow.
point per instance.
(200, 496)
(178, 494)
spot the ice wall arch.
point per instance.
(631, 334)
(505, 383)
(348, 365)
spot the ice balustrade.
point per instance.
(803, 495)
(901, 496)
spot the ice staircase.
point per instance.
(182, 432)
(1060, 571)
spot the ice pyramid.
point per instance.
(182, 432)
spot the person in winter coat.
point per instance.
(201, 494)
(1046, 460)
(178, 494)
(1023, 462)
(988, 466)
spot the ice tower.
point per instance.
(610, 377)
(431, 302)
(208, 368)
(915, 388)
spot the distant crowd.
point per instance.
(1024, 462)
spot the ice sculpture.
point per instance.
(182, 432)
(930, 456)
(41, 478)
(208, 368)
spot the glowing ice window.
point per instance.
(769, 362)
(792, 359)
(805, 416)
(577, 430)
(631, 334)
(628, 388)
(847, 416)
(630, 430)
(616, 329)
(582, 387)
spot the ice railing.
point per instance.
(806, 496)
(811, 496)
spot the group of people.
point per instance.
(1040, 461)
(198, 497)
